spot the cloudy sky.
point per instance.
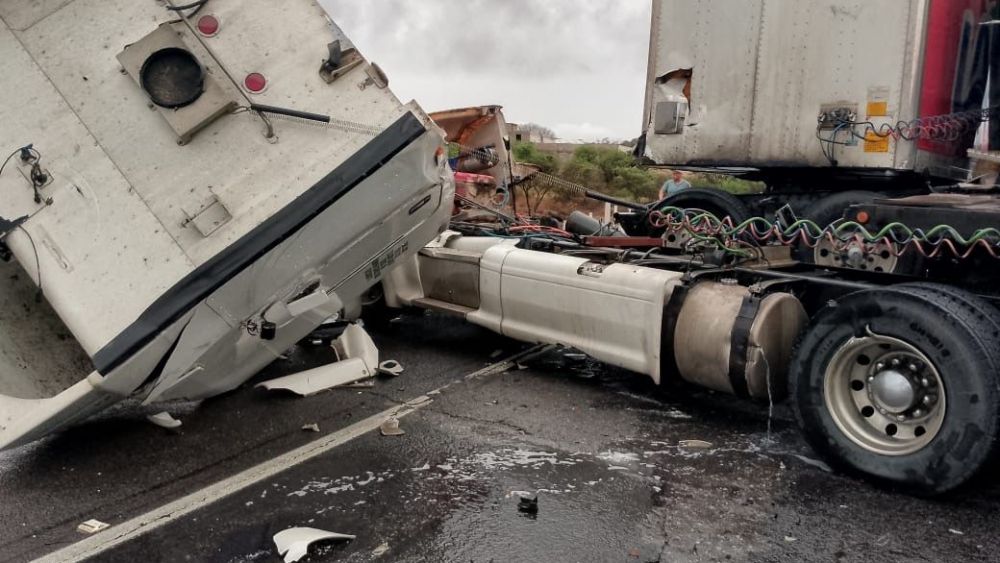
(576, 66)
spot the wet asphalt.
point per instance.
(600, 447)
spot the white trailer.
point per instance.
(179, 235)
(753, 84)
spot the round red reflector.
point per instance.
(863, 217)
(208, 25)
(255, 82)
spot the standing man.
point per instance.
(675, 184)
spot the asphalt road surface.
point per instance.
(601, 448)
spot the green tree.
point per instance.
(528, 153)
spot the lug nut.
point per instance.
(895, 362)
(901, 418)
(925, 382)
(930, 399)
(912, 367)
(918, 413)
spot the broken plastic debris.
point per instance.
(380, 550)
(320, 379)
(392, 368)
(956, 532)
(164, 420)
(311, 427)
(695, 444)
(358, 360)
(790, 539)
(92, 527)
(293, 543)
(363, 384)
(813, 462)
(391, 427)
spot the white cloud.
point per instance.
(551, 62)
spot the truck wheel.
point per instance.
(901, 385)
(717, 202)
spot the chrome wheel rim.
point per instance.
(885, 395)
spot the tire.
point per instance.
(956, 333)
(717, 202)
(832, 207)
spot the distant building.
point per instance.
(521, 134)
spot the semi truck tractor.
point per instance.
(860, 285)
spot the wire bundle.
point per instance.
(896, 238)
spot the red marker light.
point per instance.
(208, 25)
(255, 82)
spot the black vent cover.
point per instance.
(172, 77)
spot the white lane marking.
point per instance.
(145, 523)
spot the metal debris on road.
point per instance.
(391, 368)
(92, 527)
(311, 428)
(164, 420)
(391, 427)
(293, 543)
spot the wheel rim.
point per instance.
(877, 257)
(885, 395)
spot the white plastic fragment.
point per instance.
(381, 550)
(391, 427)
(293, 543)
(392, 368)
(164, 420)
(695, 444)
(319, 379)
(92, 527)
(311, 428)
(358, 360)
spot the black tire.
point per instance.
(717, 202)
(831, 208)
(957, 333)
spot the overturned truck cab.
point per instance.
(167, 232)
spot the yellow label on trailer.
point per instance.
(876, 143)
(878, 109)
